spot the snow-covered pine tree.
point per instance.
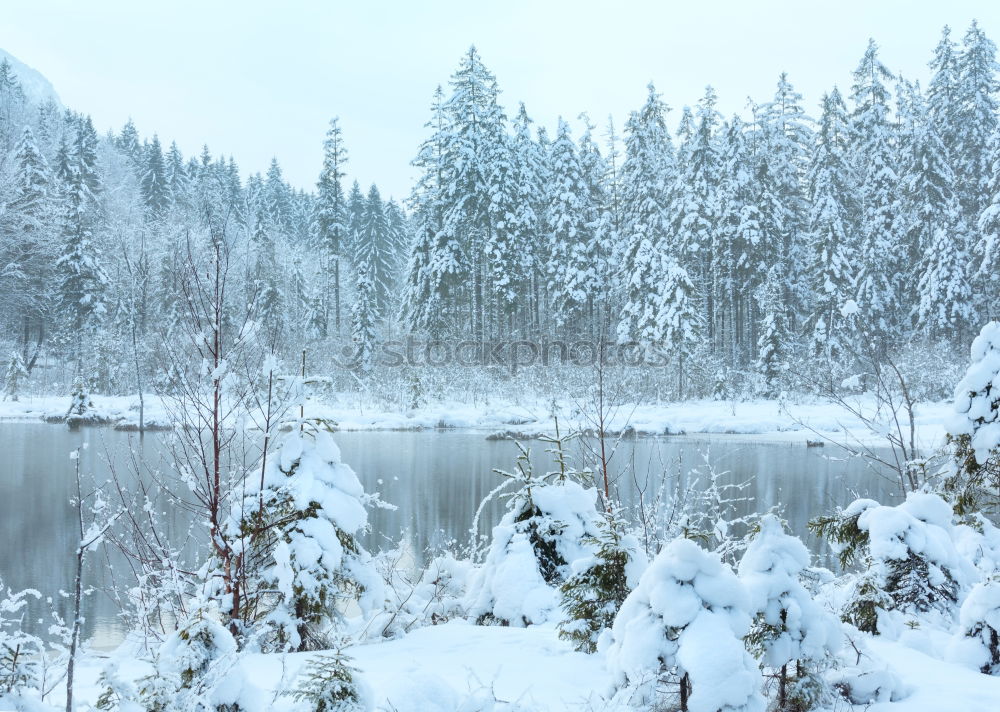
(81, 278)
(331, 210)
(374, 249)
(550, 522)
(977, 643)
(986, 245)
(936, 238)
(303, 527)
(833, 204)
(364, 318)
(568, 235)
(974, 430)
(879, 275)
(909, 561)
(683, 626)
(789, 626)
(513, 248)
(943, 101)
(332, 684)
(787, 140)
(15, 374)
(595, 591)
(474, 149)
(646, 214)
(177, 177)
(773, 334)
(596, 279)
(153, 179)
(197, 668)
(978, 101)
(434, 269)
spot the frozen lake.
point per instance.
(436, 479)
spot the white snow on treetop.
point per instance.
(770, 569)
(690, 611)
(922, 524)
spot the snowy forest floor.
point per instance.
(793, 420)
(435, 669)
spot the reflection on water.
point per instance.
(435, 479)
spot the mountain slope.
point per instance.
(36, 87)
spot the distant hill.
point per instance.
(37, 88)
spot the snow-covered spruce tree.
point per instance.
(16, 371)
(21, 654)
(977, 643)
(789, 626)
(80, 404)
(832, 207)
(773, 336)
(975, 428)
(684, 626)
(332, 684)
(301, 529)
(364, 318)
(549, 524)
(197, 670)
(908, 558)
(599, 584)
(568, 233)
(879, 274)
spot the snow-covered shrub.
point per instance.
(197, 669)
(789, 626)
(684, 624)
(547, 526)
(868, 684)
(433, 597)
(977, 643)
(909, 559)
(599, 584)
(332, 684)
(304, 524)
(21, 654)
(975, 428)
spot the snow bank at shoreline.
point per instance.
(765, 420)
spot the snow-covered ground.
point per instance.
(765, 420)
(435, 669)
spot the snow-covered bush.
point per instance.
(304, 524)
(908, 556)
(432, 597)
(21, 654)
(868, 684)
(599, 584)
(684, 624)
(977, 643)
(197, 669)
(332, 684)
(547, 526)
(975, 428)
(789, 625)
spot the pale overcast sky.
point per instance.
(261, 79)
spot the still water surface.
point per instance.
(436, 479)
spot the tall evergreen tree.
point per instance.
(833, 203)
(331, 209)
(879, 269)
